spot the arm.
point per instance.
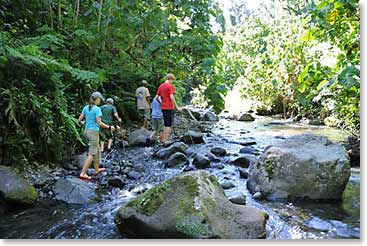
(158, 98)
(81, 117)
(174, 102)
(103, 125)
(117, 117)
(149, 101)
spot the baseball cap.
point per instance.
(109, 100)
(96, 95)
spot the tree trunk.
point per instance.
(59, 24)
(99, 15)
(51, 15)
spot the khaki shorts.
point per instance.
(93, 143)
(144, 113)
(157, 124)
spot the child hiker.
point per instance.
(157, 121)
(108, 113)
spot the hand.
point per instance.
(82, 123)
(118, 128)
(112, 128)
(179, 109)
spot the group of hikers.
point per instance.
(95, 117)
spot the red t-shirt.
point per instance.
(164, 91)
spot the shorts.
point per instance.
(144, 113)
(168, 117)
(105, 134)
(92, 137)
(157, 124)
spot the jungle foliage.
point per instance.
(53, 54)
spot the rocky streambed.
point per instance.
(226, 150)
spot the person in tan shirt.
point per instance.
(142, 95)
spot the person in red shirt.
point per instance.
(165, 95)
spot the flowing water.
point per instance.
(287, 220)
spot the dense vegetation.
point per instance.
(53, 54)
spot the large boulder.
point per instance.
(210, 116)
(352, 144)
(75, 191)
(304, 166)
(167, 152)
(193, 137)
(191, 205)
(14, 189)
(138, 137)
(246, 117)
(218, 151)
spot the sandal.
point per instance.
(101, 170)
(85, 177)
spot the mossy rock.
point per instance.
(191, 205)
(14, 189)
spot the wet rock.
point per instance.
(167, 152)
(249, 150)
(227, 185)
(257, 195)
(116, 181)
(79, 160)
(243, 173)
(319, 224)
(246, 117)
(138, 137)
(140, 189)
(212, 158)
(191, 113)
(177, 159)
(239, 199)
(191, 205)
(248, 142)
(304, 166)
(217, 165)
(218, 151)
(201, 161)
(134, 175)
(352, 145)
(74, 190)
(193, 137)
(241, 162)
(139, 168)
(188, 168)
(14, 189)
(210, 116)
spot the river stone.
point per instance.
(304, 166)
(74, 190)
(210, 116)
(79, 160)
(212, 158)
(134, 175)
(167, 152)
(218, 151)
(241, 162)
(193, 137)
(239, 199)
(116, 181)
(246, 117)
(177, 159)
(243, 173)
(227, 185)
(201, 161)
(190, 205)
(249, 150)
(138, 137)
(257, 195)
(14, 189)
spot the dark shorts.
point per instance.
(105, 134)
(167, 117)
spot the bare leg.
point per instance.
(152, 136)
(145, 123)
(87, 164)
(161, 137)
(109, 143)
(102, 146)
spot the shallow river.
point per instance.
(287, 220)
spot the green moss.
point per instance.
(194, 227)
(26, 196)
(269, 168)
(148, 202)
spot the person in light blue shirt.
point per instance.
(92, 115)
(157, 121)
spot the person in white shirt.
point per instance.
(143, 102)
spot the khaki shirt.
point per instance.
(141, 95)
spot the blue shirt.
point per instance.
(91, 117)
(156, 110)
